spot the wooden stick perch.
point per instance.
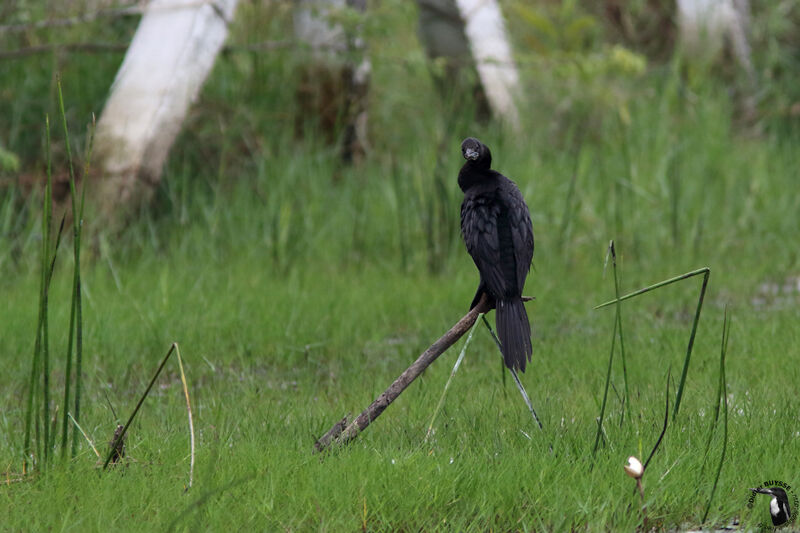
(342, 432)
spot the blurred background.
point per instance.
(331, 128)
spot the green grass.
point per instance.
(266, 399)
(275, 353)
(297, 298)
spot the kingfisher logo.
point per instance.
(780, 499)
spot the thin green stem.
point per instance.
(189, 413)
(138, 405)
(76, 319)
(605, 392)
(78, 354)
(450, 379)
(33, 389)
(706, 272)
(619, 327)
(48, 210)
(46, 378)
(31, 410)
(721, 398)
(664, 428)
(40, 348)
(658, 285)
(85, 436)
(696, 321)
(68, 375)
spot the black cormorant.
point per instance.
(496, 227)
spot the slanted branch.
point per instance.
(342, 432)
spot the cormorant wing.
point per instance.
(519, 220)
(479, 217)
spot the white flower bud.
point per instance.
(634, 468)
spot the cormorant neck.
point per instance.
(473, 172)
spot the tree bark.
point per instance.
(164, 68)
(342, 433)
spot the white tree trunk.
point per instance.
(164, 68)
(704, 26)
(491, 50)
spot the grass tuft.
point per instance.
(38, 444)
(627, 399)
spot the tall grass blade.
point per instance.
(75, 318)
(31, 410)
(664, 428)
(68, 362)
(42, 339)
(50, 434)
(627, 400)
(706, 272)
(32, 415)
(599, 433)
(68, 375)
(722, 397)
(85, 436)
(47, 221)
(696, 320)
(189, 411)
(26, 443)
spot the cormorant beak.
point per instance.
(471, 154)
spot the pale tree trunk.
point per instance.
(164, 68)
(335, 80)
(491, 49)
(473, 31)
(441, 30)
(706, 25)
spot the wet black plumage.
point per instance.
(496, 227)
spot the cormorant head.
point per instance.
(474, 150)
(778, 505)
